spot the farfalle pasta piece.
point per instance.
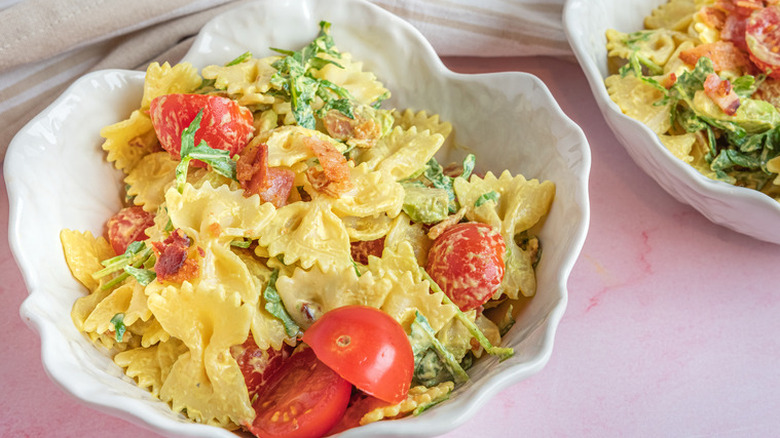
(150, 332)
(308, 233)
(368, 227)
(149, 367)
(419, 397)
(217, 212)
(149, 180)
(128, 299)
(286, 146)
(362, 85)
(128, 141)
(675, 15)
(164, 79)
(83, 254)
(206, 380)
(408, 296)
(373, 193)
(307, 295)
(655, 45)
(637, 100)
(423, 121)
(246, 82)
(395, 261)
(403, 152)
(404, 230)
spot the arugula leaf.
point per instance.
(246, 56)
(485, 197)
(423, 339)
(118, 321)
(241, 243)
(294, 78)
(135, 256)
(142, 276)
(503, 353)
(274, 305)
(219, 160)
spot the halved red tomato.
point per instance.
(258, 366)
(367, 347)
(304, 399)
(763, 39)
(225, 124)
(467, 262)
(127, 226)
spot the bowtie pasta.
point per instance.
(704, 75)
(290, 194)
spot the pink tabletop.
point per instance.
(671, 328)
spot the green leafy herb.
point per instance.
(136, 256)
(219, 160)
(118, 321)
(246, 56)
(274, 305)
(502, 352)
(423, 339)
(294, 78)
(485, 197)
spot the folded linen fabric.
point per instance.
(46, 44)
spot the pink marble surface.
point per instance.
(671, 328)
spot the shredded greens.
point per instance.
(118, 321)
(274, 305)
(138, 261)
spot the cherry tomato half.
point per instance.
(304, 399)
(127, 226)
(467, 262)
(258, 366)
(225, 124)
(763, 39)
(367, 347)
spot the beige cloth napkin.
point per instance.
(46, 44)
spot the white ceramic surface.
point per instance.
(57, 178)
(743, 210)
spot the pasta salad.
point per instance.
(291, 259)
(704, 75)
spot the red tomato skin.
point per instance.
(225, 124)
(467, 262)
(127, 226)
(763, 39)
(304, 399)
(367, 347)
(258, 366)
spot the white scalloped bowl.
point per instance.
(57, 178)
(743, 210)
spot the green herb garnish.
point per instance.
(118, 321)
(219, 160)
(274, 305)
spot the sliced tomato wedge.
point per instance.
(304, 399)
(128, 225)
(225, 125)
(762, 35)
(367, 347)
(467, 262)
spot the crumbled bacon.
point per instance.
(723, 54)
(359, 131)
(712, 17)
(361, 249)
(176, 261)
(670, 80)
(721, 92)
(272, 184)
(734, 29)
(332, 176)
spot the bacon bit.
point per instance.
(739, 7)
(176, 261)
(360, 131)
(361, 249)
(723, 54)
(333, 178)
(712, 17)
(272, 184)
(670, 80)
(734, 30)
(769, 91)
(215, 229)
(721, 92)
